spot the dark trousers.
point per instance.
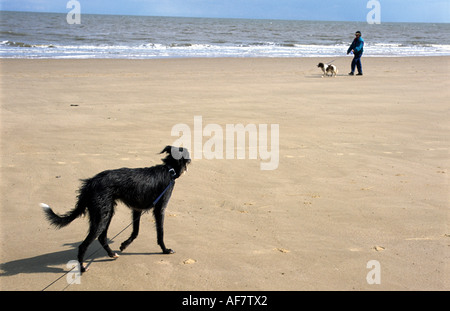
(356, 62)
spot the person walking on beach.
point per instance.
(357, 47)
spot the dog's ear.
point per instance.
(167, 149)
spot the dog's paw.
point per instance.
(114, 255)
(168, 251)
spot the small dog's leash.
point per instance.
(331, 61)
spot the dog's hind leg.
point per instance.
(83, 247)
(134, 234)
(102, 237)
(99, 218)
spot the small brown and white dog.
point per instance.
(328, 70)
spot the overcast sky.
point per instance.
(339, 10)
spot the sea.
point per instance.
(51, 36)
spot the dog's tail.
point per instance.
(62, 221)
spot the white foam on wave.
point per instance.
(267, 49)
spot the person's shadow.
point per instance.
(51, 262)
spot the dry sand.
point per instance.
(363, 173)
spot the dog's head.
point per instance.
(177, 157)
(321, 65)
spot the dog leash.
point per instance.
(331, 61)
(173, 175)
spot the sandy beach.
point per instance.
(362, 176)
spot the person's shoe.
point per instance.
(351, 74)
(359, 74)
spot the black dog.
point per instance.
(140, 189)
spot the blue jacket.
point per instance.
(357, 45)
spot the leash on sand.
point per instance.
(98, 249)
(331, 61)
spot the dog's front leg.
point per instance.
(159, 218)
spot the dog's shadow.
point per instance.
(46, 263)
(52, 262)
(324, 77)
